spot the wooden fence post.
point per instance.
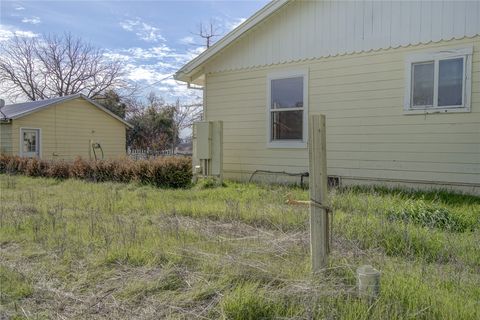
(319, 224)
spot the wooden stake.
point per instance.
(319, 224)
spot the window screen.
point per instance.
(286, 109)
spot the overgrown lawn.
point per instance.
(74, 249)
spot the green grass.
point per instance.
(13, 286)
(75, 249)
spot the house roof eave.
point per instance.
(194, 66)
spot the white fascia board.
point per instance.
(186, 72)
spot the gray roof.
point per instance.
(18, 110)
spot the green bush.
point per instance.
(161, 172)
(170, 172)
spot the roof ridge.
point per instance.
(45, 100)
(26, 108)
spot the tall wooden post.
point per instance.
(319, 224)
(216, 163)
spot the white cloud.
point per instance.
(152, 69)
(117, 56)
(19, 7)
(187, 40)
(32, 20)
(140, 73)
(192, 53)
(143, 30)
(7, 32)
(158, 54)
(137, 53)
(146, 73)
(232, 24)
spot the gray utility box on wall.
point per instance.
(204, 140)
(208, 148)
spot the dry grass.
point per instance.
(76, 250)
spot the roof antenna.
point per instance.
(2, 104)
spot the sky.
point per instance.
(152, 38)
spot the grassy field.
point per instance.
(78, 250)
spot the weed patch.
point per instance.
(247, 302)
(123, 251)
(431, 216)
(13, 286)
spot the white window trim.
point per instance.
(435, 56)
(284, 74)
(39, 140)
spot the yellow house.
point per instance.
(62, 128)
(398, 81)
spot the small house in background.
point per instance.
(62, 128)
(398, 82)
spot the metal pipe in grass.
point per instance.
(302, 175)
(368, 282)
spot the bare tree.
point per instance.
(51, 66)
(208, 32)
(184, 115)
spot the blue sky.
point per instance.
(153, 38)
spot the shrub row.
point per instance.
(166, 172)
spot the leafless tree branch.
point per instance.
(51, 66)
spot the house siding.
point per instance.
(5, 138)
(313, 29)
(368, 136)
(67, 129)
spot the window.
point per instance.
(30, 142)
(450, 82)
(287, 112)
(439, 81)
(422, 88)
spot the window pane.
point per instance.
(29, 141)
(422, 84)
(450, 82)
(287, 125)
(287, 93)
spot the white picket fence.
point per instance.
(142, 154)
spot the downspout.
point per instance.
(4, 117)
